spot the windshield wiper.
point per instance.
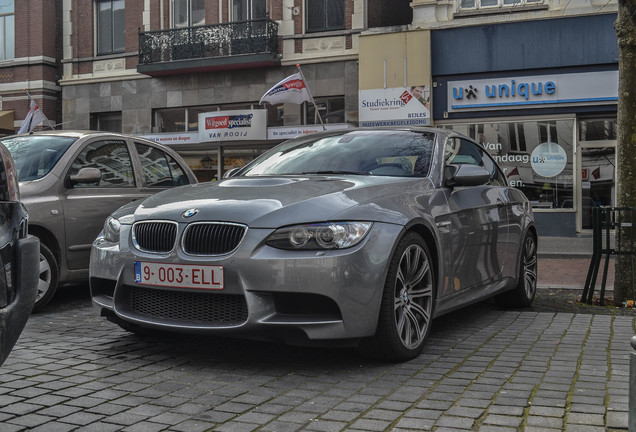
(338, 172)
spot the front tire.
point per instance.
(406, 311)
(48, 277)
(523, 294)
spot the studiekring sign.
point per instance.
(235, 125)
(589, 88)
(398, 106)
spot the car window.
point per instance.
(459, 151)
(34, 155)
(160, 169)
(386, 153)
(111, 157)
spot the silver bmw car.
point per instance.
(358, 236)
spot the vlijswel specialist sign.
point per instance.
(237, 125)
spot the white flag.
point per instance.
(292, 89)
(34, 117)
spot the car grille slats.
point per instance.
(212, 238)
(156, 237)
(199, 238)
(183, 306)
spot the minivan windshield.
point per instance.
(35, 156)
(395, 153)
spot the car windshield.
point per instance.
(34, 155)
(380, 153)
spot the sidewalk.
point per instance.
(564, 263)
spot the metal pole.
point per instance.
(632, 388)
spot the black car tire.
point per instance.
(48, 277)
(408, 300)
(523, 294)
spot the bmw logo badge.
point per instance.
(189, 213)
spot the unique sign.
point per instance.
(533, 91)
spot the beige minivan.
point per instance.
(70, 181)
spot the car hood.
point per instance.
(269, 202)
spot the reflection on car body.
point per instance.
(19, 258)
(72, 180)
(358, 236)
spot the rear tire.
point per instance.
(523, 294)
(48, 277)
(406, 311)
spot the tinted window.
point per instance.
(160, 170)
(111, 158)
(383, 153)
(35, 156)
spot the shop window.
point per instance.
(107, 122)
(110, 26)
(7, 30)
(244, 10)
(536, 157)
(485, 4)
(188, 13)
(598, 129)
(325, 15)
(330, 109)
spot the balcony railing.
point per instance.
(209, 47)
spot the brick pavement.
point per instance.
(484, 369)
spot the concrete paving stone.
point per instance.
(427, 403)
(503, 420)
(369, 425)
(617, 420)
(272, 408)
(546, 411)
(255, 418)
(211, 416)
(6, 400)
(541, 429)
(583, 428)
(108, 394)
(31, 420)
(473, 403)
(585, 419)
(82, 418)
(20, 408)
(126, 419)
(317, 408)
(502, 399)
(236, 427)
(551, 394)
(586, 408)
(506, 410)
(379, 414)
(108, 408)
(458, 411)
(59, 411)
(443, 396)
(548, 402)
(424, 414)
(418, 424)
(347, 416)
(544, 422)
(455, 422)
(190, 408)
(296, 417)
(145, 426)
(8, 427)
(85, 401)
(53, 426)
(278, 426)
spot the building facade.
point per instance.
(536, 82)
(156, 67)
(30, 54)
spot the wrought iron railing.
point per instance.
(218, 40)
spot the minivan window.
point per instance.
(35, 156)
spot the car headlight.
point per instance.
(329, 235)
(112, 227)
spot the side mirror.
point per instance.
(465, 175)
(230, 173)
(85, 175)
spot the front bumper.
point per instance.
(293, 295)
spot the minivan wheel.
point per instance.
(48, 276)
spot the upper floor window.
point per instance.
(110, 27)
(481, 4)
(188, 13)
(324, 15)
(244, 10)
(7, 29)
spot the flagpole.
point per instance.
(311, 96)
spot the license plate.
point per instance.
(179, 275)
